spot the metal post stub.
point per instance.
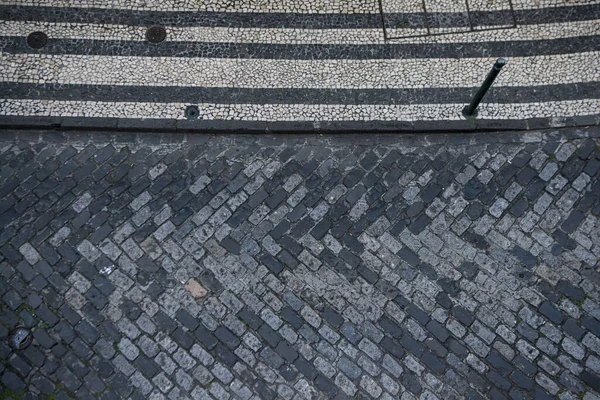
(192, 112)
(37, 40)
(471, 110)
(20, 338)
(156, 34)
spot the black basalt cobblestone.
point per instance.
(294, 267)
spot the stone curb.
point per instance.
(222, 126)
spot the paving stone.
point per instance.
(244, 285)
(551, 312)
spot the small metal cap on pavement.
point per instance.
(19, 338)
(37, 40)
(156, 34)
(192, 112)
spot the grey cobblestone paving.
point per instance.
(198, 267)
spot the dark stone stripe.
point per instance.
(173, 94)
(307, 51)
(224, 126)
(282, 20)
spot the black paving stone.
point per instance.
(42, 337)
(419, 224)
(591, 379)
(287, 259)
(387, 289)
(228, 338)
(291, 317)
(205, 337)
(68, 379)
(412, 346)
(411, 384)
(391, 328)
(332, 317)
(408, 256)
(19, 365)
(231, 245)
(456, 347)
(519, 207)
(548, 291)
(367, 274)
(269, 335)
(592, 324)
(430, 192)
(288, 372)
(340, 227)
(186, 319)
(528, 332)
(350, 333)
(498, 381)
(438, 330)
(12, 382)
(414, 209)
(572, 221)
(271, 358)
(274, 266)
(433, 363)
(436, 347)
(525, 365)
(474, 211)
(227, 357)
(250, 318)
(66, 332)
(592, 167)
(572, 328)
(553, 314)
(464, 316)
(443, 300)
(286, 351)
(418, 314)
(34, 356)
(183, 338)
(305, 368)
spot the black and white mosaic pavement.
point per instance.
(299, 65)
(285, 267)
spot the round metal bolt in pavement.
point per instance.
(20, 338)
(156, 34)
(192, 112)
(37, 40)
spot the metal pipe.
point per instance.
(469, 110)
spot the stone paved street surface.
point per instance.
(298, 65)
(288, 267)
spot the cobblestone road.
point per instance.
(198, 267)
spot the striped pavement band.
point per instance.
(521, 48)
(192, 95)
(266, 73)
(284, 61)
(297, 6)
(293, 112)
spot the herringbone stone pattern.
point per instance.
(287, 267)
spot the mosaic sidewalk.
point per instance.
(299, 65)
(287, 267)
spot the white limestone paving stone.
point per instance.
(250, 73)
(295, 112)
